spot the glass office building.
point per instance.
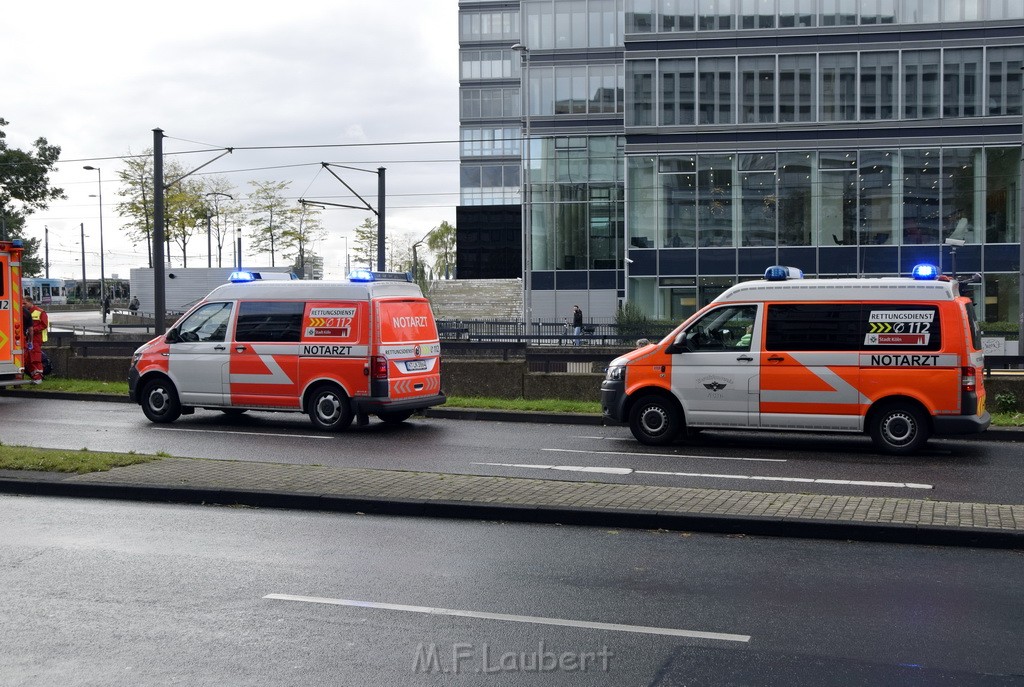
(678, 146)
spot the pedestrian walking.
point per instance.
(106, 307)
(577, 324)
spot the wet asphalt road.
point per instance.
(962, 470)
(118, 593)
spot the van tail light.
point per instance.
(968, 379)
(379, 368)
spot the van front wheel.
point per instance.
(160, 402)
(654, 420)
(329, 408)
(898, 429)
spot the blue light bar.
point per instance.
(17, 243)
(360, 275)
(925, 271)
(238, 277)
(782, 273)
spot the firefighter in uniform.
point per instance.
(36, 338)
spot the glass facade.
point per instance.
(677, 146)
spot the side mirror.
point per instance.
(172, 336)
(682, 344)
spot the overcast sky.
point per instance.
(97, 78)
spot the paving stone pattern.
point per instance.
(522, 492)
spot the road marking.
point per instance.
(803, 480)
(711, 475)
(565, 468)
(248, 434)
(664, 455)
(537, 620)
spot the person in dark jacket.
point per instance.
(577, 324)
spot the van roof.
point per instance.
(876, 289)
(313, 290)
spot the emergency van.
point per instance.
(333, 350)
(12, 338)
(897, 358)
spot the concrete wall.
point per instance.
(460, 377)
(490, 378)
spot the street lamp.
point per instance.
(103, 288)
(524, 54)
(415, 266)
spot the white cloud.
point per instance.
(97, 78)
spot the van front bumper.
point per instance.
(613, 400)
(372, 406)
(961, 424)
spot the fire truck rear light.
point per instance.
(968, 380)
(379, 368)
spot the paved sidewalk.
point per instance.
(396, 492)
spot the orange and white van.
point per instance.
(897, 358)
(12, 338)
(333, 350)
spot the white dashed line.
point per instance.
(663, 455)
(708, 475)
(537, 620)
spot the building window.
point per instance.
(715, 76)
(838, 12)
(797, 13)
(757, 14)
(920, 84)
(796, 88)
(878, 85)
(1004, 80)
(838, 87)
(640, 77)
(961, 83)
(678, 97)
(757, 88)
(715, 15)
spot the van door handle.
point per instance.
(239, 349)
(218, 347)
(775, 359)
(745, 358)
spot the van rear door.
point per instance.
(407, 336)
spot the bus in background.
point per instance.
(45, 291)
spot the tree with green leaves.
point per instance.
(136, 206)
(441, 243)
(184, 208)
(221, 207)
(296, 242)
(270, 215)
(364, 244)
(25, 188)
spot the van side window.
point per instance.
(269, 321)
(208, 323)
(813, 327)
(852, 327)
(722, 329)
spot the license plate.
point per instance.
(415, 365)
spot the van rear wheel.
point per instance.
(898, 429)
(160, 402)
(329, 408)
(654, 420)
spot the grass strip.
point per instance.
(62, 460)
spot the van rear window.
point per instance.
(853, 327)
(972, 324)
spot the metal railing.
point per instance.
(542, 333)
